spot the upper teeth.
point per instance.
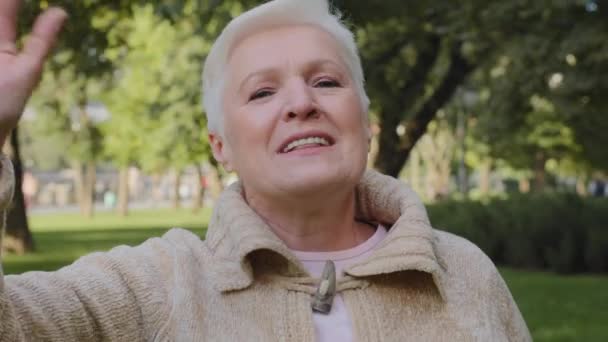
(305, 141)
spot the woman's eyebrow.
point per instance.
(313, 65)
(257, 74)
(322, 64)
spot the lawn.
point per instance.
(556, 308)
(60, 239)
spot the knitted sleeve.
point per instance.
(120, 295)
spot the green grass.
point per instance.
(561, 308)
(61, 239)
(556, 308)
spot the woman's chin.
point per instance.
(311, 180)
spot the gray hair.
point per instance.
(272, 14)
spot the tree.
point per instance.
(544, 102)
(159, 67)
(71, 80)
(436, 47)
(170, 75)
(18, 237)
(411, 77)
(21, 70)
(61, 114)
(133, 100)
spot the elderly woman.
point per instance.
(308, 245)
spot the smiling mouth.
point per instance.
(309, 142)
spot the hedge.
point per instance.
(560, 232)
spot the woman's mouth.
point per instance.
(305, 143)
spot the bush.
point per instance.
(596, 250)
(561, 232)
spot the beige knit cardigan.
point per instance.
(243, 284)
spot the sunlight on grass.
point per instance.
(165, 218)
(561, 308)
(61, 239)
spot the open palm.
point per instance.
(20, 70)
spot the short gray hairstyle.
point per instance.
(268, 15)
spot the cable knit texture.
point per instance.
(243, 284)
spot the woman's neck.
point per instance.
(318, 224)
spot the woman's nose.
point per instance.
(300, 102)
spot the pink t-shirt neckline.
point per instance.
(337, 325)
(344, 254)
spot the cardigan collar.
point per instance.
(236, 233)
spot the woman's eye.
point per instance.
(327, 83)
(260, 94)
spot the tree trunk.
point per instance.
(581, 186)
(88, 204)
(461, 134)
(394, 150)
(390, 158)
(524, 185)
(414, 166)
(84, 181)
(176, 186)
(18, 238)
(199, 190)
(79, 184)
(157, 194)
(88, 175)
(539, 171)
(123, 191)
(484, 177)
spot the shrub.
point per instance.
(596, 249)
(561, 232)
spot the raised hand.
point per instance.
(20, 70)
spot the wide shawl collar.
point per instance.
(235, 232)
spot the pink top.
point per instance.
(337, 325)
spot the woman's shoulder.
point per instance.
(181, 237)
(153, 256)
(455, 245)
(463, 260)
(472, 281)
(177, 243)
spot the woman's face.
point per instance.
(293, 121)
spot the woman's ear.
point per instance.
(221, 151)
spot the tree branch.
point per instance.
(427, 58)
(458, 71)
(377, 64)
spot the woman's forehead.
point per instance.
(296, 45)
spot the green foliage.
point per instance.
(561, 232)
(59, 111)
(596, 251)
(511, 51)
(538, 67)
(545, 88)
(157, 120)
(72, 79)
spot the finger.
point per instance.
(40, 42)
(8, 48)
(8, 20)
